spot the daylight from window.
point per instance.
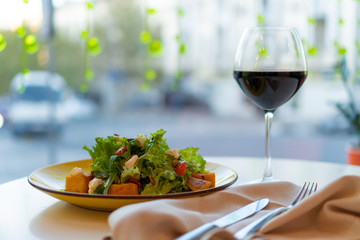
(73, 70)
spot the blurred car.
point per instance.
(37, 102)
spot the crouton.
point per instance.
(140, 141)
(77, 181)
(123, 189)
(131, 162)
(173, 152)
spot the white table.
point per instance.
(27, 213)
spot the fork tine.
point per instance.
(254, 226)
(313, 188)
(300, 194)
(308, 191)
(304, 192)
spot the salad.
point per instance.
(141, 165)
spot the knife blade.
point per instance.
(226, 220)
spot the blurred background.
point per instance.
(73, 70)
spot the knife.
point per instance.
(227, 220)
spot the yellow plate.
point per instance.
(51, 180)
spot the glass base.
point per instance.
(267, 179)
(261, 180)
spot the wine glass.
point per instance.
(270, 67)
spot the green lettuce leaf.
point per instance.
(166, 182)
(154, 156)
(104, 160)
(194, 161)
(132, 172)
(152, 163)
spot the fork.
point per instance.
(304, 192)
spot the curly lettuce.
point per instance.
(154, 169)
(195, 162)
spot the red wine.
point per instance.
(269, 90)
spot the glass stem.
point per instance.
(267, 173)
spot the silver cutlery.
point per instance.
(304, 192)
(227, 220)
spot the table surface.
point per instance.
(28, 213)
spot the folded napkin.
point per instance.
(331, 213)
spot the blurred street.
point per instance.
(215, 136)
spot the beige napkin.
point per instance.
(332, 213)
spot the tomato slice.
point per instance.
(181, 168)
(123, 149)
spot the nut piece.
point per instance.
(117, 137)
(173, 152)
(152, 180)
(140, 141)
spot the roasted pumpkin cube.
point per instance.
(123, 189)
(196, 184)
(209, 176)
(77, 181)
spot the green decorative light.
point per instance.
(25, 71)
(262, 51)
(150, 75)
(180, 12)
(182, 48)
(84, 34)
(145, 37)
(31, 44)
(89, 74)
(93, 46)
(2, 43)
(89, 5)
(155, 47)
(312, 51)
(261, 19)
(21, 31)
(312, 21)
(21, 89)
(342, 51)
(150, 11)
